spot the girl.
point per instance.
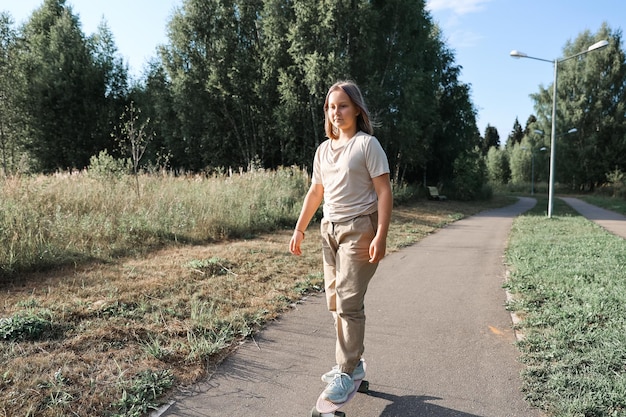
(351, 176)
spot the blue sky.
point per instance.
(481, 32)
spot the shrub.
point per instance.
(105, 166)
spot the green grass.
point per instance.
(568, 277)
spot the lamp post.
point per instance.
(556, 62)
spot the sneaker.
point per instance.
(357, 374)
(339, 388)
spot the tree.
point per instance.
(498, 167)
(156, 100)
(520, 161)
(491, 139)
(470, 175)
(243, 82)
(111, 78)
(62, 98)
(516, 135)
(591, 96)
(530, 125)
(133, 137)
(10, 86)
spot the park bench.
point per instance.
(433, 194)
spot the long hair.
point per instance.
(363, 120)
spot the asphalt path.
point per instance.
(439, 341)
(610, 220)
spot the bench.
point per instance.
(433, 194)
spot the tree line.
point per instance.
(242, 83)
(238, 84)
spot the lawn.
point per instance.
(568, 277)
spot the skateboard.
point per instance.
(325, 408)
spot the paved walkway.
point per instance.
(610, 220)
(439, 341)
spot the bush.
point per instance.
(106, 166)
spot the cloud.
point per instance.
(464, 39)
(457, 7)
(451, 15)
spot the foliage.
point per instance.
(66, 93)
(11, 147)
(498, 166)
(591, 98)
(469, 176)
(616, 182)
(491, 139)
(106, 167)
(238, 83)
(133, 138)
(516, 135)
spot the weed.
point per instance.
(212, 266)
(143, 393)
(154, 347)
(24, 326)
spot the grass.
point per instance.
(568, 277)
(110, 300)
(68, 219)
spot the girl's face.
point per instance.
(342, 111)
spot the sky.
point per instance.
(482, 33)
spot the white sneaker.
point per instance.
(339, 389)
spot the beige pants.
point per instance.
(347, 273)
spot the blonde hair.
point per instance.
(363, 120)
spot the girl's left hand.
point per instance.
(294, 243)
(378, 248)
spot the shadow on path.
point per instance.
(415, 406)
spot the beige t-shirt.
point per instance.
(346, 175)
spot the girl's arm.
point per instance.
(378, 247)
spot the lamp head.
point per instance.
(517, 54)
(598, 45)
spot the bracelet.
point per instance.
(298, 230)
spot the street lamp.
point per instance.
(518, 54)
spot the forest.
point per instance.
(240, 85)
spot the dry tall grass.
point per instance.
(70, 218)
